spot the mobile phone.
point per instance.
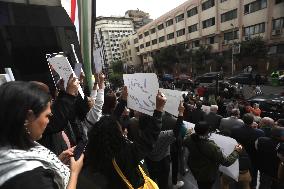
(79, 149)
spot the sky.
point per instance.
(155, 8)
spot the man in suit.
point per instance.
(227, 124)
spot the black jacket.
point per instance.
(213, 120)
(268, 161)
(247, 136)
(34, 179)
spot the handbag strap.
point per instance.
(118, 170)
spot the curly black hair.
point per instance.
(105, 142)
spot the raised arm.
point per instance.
(150, 131)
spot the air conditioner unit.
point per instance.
(276, 32)
(225, 42)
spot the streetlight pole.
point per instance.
(233, 49)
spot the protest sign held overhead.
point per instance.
(227, 146)
(60, 64)
(173, 99)
(142, 91)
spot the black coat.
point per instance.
(268, 161)
(213, 120)
(247, 136)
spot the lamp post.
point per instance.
(233, 48)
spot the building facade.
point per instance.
(112, 30)
(140, 18)
(132, 62)
(218, 23)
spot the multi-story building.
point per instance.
(129, 52)
(112, 30)
(213, 22)
(140, 18)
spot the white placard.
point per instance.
(173, 99)
(10, 73)
(142, 91)
(4, 78)
(227, 145)
(98, 61)
(78, 69)
(189, 125)
(61, 65)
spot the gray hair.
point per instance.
(213, 108)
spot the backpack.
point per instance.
(148, 182)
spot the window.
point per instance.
(192, 12)
(208, 23)
(222, 1)
(146, 33)
(153, 30)
(230, 15)
(161, 26)
(170, 36)
(180, 32)
(195, 44)
(179, 18)
(169, 22)
(129, 52)
(229, 35)
(130, 58)
(140, 36)
(154, 42)
(141, 46)
(137, 49)
(148, 44)
(210, 40)
(255, 6)
(255, 29)
(208, 4)
(278, 23)
(161, 39)
(279, 1)
(192, 28)
(135, 40)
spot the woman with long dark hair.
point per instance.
(24, 115)
(108, 145)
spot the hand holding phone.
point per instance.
(79, 149)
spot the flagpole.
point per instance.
(85, 8)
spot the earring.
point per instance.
(25, 124)
(27, 131)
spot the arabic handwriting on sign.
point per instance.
(149, 98)
(135, 83)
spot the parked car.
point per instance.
(248, 78)
(221, 86)
(208, 77)
(270, 105)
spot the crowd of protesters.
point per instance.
(39, 132)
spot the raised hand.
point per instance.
(124, 93)
(72, 86)
(160, 101)
(101, 81)
(181, 108)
